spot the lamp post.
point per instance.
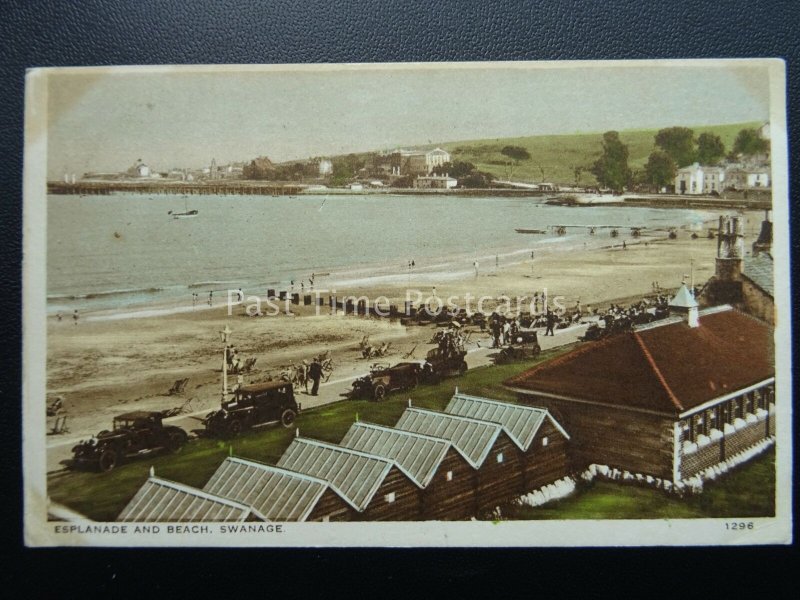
(223, 335)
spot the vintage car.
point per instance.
(134, 434)
(443, 362)
(383, 379)
(253, 406)
(524, 345)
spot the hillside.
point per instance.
(555, 157)
(558, 155)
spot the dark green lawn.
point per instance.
(748, 492)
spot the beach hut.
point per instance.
(541, 442)
(444, 476)
(486, 447)
(373, 485)
(279, 494)
(163, 501)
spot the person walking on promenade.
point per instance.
(75, 316)
(315, 373)
(551, 321)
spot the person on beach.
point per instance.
(475, 265)
(58, 316)
(75, 316)
(211, 298)
(315, 373)
(551, 321)
(494, 327)
(624, 245)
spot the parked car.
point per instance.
(383, 379)
(524, 345)
(133, 435)
(253, 406)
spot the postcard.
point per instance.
(414, 304)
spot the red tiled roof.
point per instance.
(668, 369)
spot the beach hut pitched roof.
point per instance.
(159, 500)
(355, 475)
(415, 454)
(666, 369)
(276, 494)
(471, 437)
(520, 422)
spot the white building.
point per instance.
(325, 167)
(442, 182)
(690, 179)
(699, 179)
(436, 158)
(748, 178)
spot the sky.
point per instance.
(104, 120)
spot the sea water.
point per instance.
(123, 252)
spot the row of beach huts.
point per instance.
(452, 465)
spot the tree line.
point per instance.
(675, 147)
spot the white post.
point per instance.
(224, 337)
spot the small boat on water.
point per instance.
(584, 199)
(186, 214)
(521, 230)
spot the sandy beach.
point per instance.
(104, 367)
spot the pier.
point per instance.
(238, 188)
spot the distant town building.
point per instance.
(702, 179)
(436, 158)
(744, 178)
(764, 131)
(441, 182)
(325, 167)
(139, 169)
(698, 179)
(417, 162)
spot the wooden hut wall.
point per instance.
(500, 476)
(331, 507)
(405, 506)
(543, 464)
(629, 440)
(451, 493)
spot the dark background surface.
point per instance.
(93, 32)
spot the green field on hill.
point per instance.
(748, 491)
(555, 157)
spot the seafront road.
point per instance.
(335, 390)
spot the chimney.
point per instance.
(730, 248)
(764, 241)
(685, 305)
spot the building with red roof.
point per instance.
(668, 399)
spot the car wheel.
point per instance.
(287, 417)
(109, 459)
(379, 393)
(175, 441)
(537, 351)
(462, 368)
(234, 428)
